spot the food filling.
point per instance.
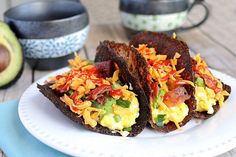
(98, 100)
(208, 89)
(168, 93)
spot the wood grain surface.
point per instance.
(215, 41)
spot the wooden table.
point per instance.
(215, 40)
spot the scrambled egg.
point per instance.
(175, 114)
(127, 116)
(205, 99)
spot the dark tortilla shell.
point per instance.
(127, 78)
(205, 115)
(127, 59)
(166, 45)
(55, 99)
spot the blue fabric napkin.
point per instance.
(15, 140)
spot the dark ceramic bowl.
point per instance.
(157, 15)
(49, 31)
(153, 7)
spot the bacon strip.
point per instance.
(176, 96)
(105, 69)
(99, 91)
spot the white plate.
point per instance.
(198, 138)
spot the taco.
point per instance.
(210, 92)
(169, 82)
(96, 96)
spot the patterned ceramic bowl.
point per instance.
(49, 31)
(157, 15)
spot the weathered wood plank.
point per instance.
(119, 33)
(3, 7)
(221, 23)
(98, 33)
(102, 11)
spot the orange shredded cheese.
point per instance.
(160, 68)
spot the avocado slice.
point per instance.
(11, 56)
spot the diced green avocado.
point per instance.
(108, 104)
(158, 98)
(11, 56)
(107, 107)
(199, 82)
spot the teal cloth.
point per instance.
(15, 140)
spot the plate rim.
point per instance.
(225, 146)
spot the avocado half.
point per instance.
(11, 56)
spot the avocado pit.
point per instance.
(4, 58)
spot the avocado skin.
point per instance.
(16, 64)
(15, 79)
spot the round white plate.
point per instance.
(198, 138)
